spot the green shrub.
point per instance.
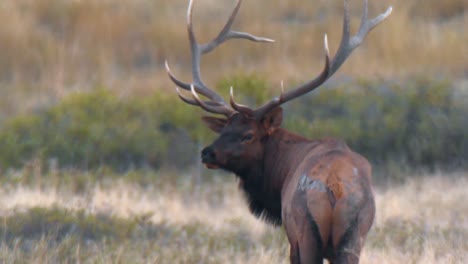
(418, 123)
(91, 130)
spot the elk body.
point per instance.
(320, 190)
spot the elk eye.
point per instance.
(247, 137)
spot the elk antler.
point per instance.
(216, 104)
(347, 45)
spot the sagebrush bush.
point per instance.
(96, 129)
(420, 122)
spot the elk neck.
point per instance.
(263, 183)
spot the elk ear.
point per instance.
(272, 120)
(215, 124)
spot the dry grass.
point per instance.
(422, 221)
(53, 47)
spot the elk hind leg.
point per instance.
(311, 246)
(349, 235)
(306, 246)
(294, 254)
(303, 234)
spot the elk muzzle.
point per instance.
(209, 158)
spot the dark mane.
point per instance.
(268, 210)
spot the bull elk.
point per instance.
(320, 190)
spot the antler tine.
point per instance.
(188, 87)
(193, 102)
(196, 54)
(176, 81)
(217, 103)
(210, 106)
(239, 107)
(185, 99)
(197, 49)
(226, 33)
(300, 90)
(347, 45)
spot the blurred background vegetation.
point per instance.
(98, 155)
(83, 84)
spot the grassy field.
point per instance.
(421, 221)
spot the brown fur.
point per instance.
(320, 190)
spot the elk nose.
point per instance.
(208, 155)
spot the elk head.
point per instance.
(243, 131)
(240, 145)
